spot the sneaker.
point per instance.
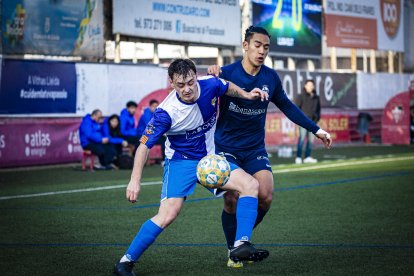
(233, 264)
(298, 160)
(310, 160)
(247, 252)
(124, 269)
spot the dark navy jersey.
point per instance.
(241, 123)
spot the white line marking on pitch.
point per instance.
(77, 191)
(325, 166)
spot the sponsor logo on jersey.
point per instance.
(265, 89)
(202, 129)
(246, 111)
(149, 129)
(213, 101)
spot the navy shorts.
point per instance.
(251, 161)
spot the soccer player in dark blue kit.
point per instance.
(240, 132)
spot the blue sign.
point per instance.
(33, 87)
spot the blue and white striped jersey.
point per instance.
(189, 126)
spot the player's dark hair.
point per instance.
(181, 67)
(153, 101)
(254, 30)
(131, 103)
(95, 112)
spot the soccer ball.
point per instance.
(213, 171)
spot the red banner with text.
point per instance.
(28, 142)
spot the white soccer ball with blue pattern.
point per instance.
(213, 171)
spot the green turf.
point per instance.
(355, 219)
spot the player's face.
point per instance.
(257, 49)
(186, 87)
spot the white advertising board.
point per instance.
(109, 87)
(214, 22)
(375, 90)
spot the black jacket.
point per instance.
(310, 105)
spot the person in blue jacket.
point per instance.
(147, 115)
(144, 120)
(127, 122)
(111, 129)
(91, 138)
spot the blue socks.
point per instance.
(146, 236)
(246, 216)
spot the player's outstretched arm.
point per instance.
(325, 138)
(134, 185)
(256, 93)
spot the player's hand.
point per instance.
(259, 94)
(325, 138)
(132, 191)
(214, 70)
(105, 140)
(124, 143)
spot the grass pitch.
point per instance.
(353, 213)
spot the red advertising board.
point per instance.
(281, 131)
(396, 120)
(39, 141)
(351, 32)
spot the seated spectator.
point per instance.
(145, 118)
(127, 123)
(92, 139)
(111, 129)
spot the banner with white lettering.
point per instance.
(29, 142)
(35, 87)
(202, 21)
(369, 24)
(334, 89)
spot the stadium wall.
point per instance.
(34, 138)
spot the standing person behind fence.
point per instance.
(310, 104)
(111, 129)
(127, 122)
(91, 138)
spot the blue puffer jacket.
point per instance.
(89, 131)
(127, 123)
(107, 133)
(144, 120)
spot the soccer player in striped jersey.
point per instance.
(188, 117)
